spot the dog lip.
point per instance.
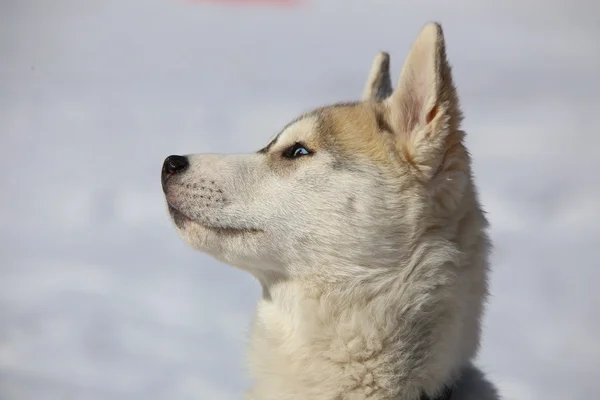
(180, 217)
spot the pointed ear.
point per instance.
(424, 115)
(379, 83)
(423, 109)
(424, 77)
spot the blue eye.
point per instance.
(296, 151)
(300, 151)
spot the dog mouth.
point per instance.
(179, 217)
(181, 220)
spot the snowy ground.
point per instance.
(100, 299)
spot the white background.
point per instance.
(100, 299)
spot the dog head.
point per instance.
(342, 189)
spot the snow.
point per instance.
(100, 299)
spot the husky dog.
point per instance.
(362, 224)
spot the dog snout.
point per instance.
(173, 165)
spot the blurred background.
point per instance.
(101, 300)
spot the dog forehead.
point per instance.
(356, 128)
(299, 130)
(332, 120)
(345, 126)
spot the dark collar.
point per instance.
(444, 395)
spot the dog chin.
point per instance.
(178, 217)
(222, 243)
(183, 222)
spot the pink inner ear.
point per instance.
(414, 111)
(431, 114)
(416, 92)
(416, 89)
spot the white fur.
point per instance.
(373, 264)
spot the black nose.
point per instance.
(173, 165)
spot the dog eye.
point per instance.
(296, 151)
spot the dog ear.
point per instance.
(423, 110)
(379, 83)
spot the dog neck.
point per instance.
(326, 341)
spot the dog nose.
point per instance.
(173, 165)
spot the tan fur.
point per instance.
(379, 83)
(371, 249)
